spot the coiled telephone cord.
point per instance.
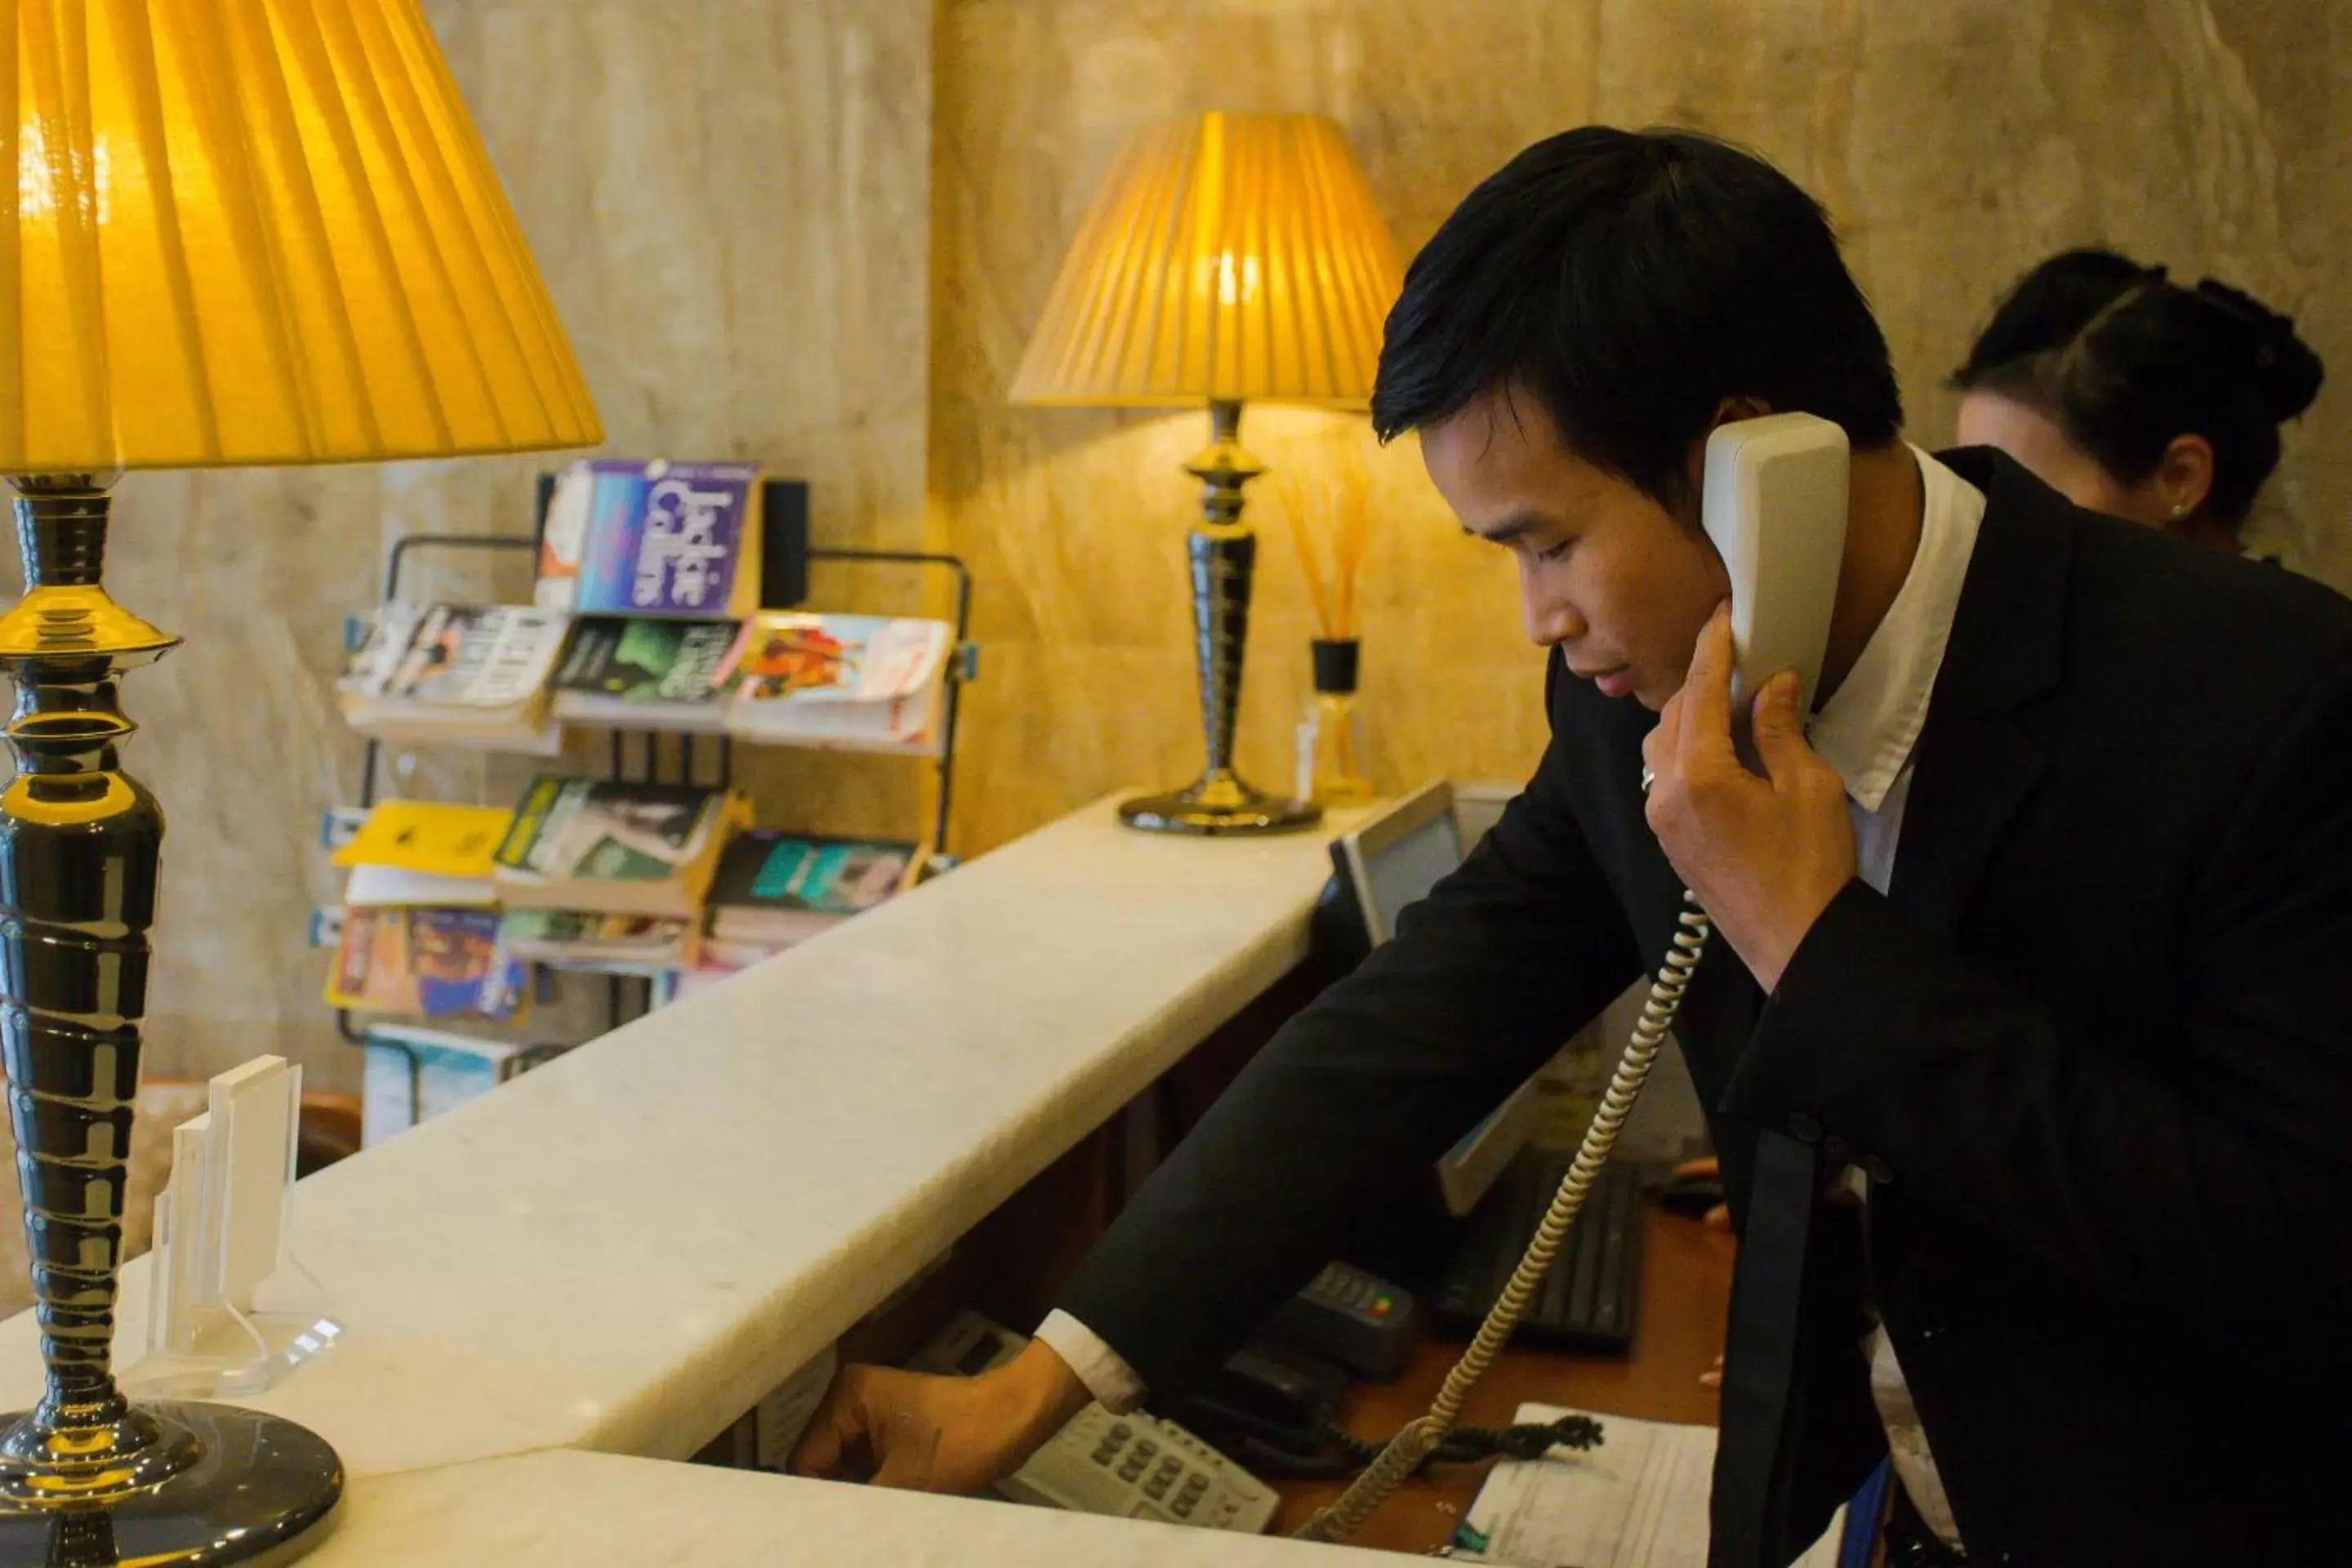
(1409, 1448)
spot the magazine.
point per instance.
(458, 656)
(431, 836)
(580, 938)
(431, 964)
(636, 672)
(459, 673)
(774, 889)
(636, 848)
(856, 682)
(653, 538)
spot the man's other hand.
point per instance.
(930, 1434)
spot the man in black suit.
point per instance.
(2025, 1027)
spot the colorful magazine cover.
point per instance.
(869, 682)
(655, 538)
(435, 837)
(834, 875)
(636, 659)
(571, 828)
(559, 936)
(432, 964)
(802, 657)
(466, 655)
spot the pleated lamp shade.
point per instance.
(258, 231)
(1228, 257)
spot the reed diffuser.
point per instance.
(1330, 527)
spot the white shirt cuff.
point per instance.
(1107, 1376)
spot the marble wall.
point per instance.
(817, 232)
(1955, 144)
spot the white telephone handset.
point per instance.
(1773, 500)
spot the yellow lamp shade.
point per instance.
(258, 231)
(1228, 257)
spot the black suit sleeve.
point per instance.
(1344, 1112)
(2216, 1178)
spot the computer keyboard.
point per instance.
(1589, 1297)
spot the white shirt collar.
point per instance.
(1866, 732)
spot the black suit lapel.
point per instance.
(1969, 782)
(1974, 766)
(1973, 769)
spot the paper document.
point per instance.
(1639, 1501)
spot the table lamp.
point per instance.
(1228, 258)
(236, 232)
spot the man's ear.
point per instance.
(2184, 476)
(1730, 410)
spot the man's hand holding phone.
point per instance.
(921, 1432)
(1764, 856)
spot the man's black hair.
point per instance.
(1631, 282)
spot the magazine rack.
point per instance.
(786, 557)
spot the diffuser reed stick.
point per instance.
(1329, 527)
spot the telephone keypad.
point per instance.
(1145, 1469)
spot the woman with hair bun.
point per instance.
(2136, 396)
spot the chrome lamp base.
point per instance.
(1215, 804)
(1224, 552)
(88, 1479)
(257, 1490)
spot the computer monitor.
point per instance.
(1395, 859)
(1380, 867)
